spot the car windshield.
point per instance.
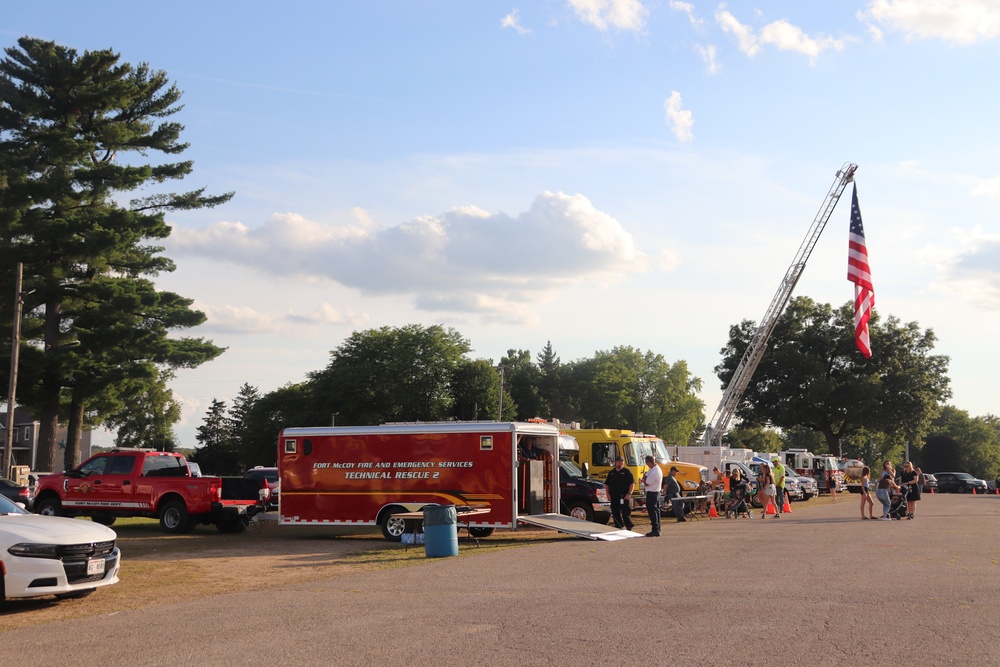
(636, 452)
(660, 451)
(8, 507)
(571, 468)
(963, 475)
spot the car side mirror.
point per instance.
(586, 470)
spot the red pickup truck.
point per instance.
(131, 482)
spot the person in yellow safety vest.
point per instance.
(779, 484)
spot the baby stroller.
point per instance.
(897, 505)
(738, 502)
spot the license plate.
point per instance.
(95, 566)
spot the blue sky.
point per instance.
(587, 172)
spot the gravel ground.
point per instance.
(816, 587)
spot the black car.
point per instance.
(959, 482)
(15, 492)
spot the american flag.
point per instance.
(859, 273)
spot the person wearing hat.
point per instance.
(621, 484)
(779, 484)
(672, 492)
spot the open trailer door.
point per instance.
(578, 527)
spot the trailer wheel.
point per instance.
(174, 518)
(581, 511)
(393, 528)
(478, 532)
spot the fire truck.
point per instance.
(364, 475)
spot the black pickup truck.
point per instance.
(580, 496)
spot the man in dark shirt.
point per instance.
(620, 484)
(672, 493)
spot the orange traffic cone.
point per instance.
(973, 490)
(786, 508)
(996, 491)
(771, 509)
(712, 512)
(932, 490)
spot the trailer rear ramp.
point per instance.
(572, 526)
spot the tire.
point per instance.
(237, 525)
(49, 506)
(478, 532)
(174, 518)
(393, 529)
(582, 511)
(104, 519)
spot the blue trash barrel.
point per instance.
(440, 531)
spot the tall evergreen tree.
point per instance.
(79, 206)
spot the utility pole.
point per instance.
(8, 447)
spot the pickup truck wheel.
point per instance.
(49, 507)
(393, 528)
(581, 511)
(478, 532)
(174, 518)
(237, 525)
(104, 519)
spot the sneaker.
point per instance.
(652, 534)
(885, 518)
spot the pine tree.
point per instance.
(79, 207)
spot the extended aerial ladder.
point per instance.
(758, 344)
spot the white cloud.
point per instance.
(788, 37)
(465, 259)
(972, 273)
(780, 34)
(617, 14)
(681, 120)
(513, 21)
(987, 187)
(744, 35)
(688, 9)
(707, 52)
(959, 21)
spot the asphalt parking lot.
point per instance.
(817, 587)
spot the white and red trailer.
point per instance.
(363, 475)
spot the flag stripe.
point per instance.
(859, 273)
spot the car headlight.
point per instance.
(28, 550)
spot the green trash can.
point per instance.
(440, 531)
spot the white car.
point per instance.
(47, 555)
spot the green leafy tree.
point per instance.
(389, 374)
(265, 417)
(216, 454)
(80, 207)
(522, 379)
(641, 391)
(812, 375)
(149, 418)
(960, 442)
(553, 385)
(475, 389)
(755, 438)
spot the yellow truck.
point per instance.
(599, 446)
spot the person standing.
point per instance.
(910, 481)
(652, 482)
(621, 484)
(672, 492)
(779, 485)
(885, 484)
(866, 493)
(766, 490)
